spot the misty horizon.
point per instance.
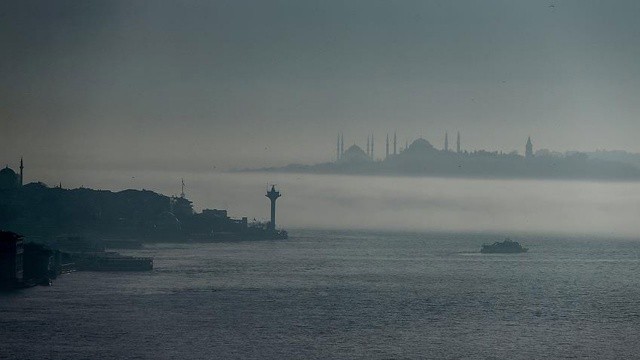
(42, 168)
(219, 85)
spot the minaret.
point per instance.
(368, 152)
(371, 146)
(387, 152)
(21, 171)
(458, 143)
(446, 142)
(273, 195)
(182, 192)
(528, 151)
(395, 143)
(338, 149)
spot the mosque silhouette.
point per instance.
(9, 179)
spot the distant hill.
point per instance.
(616, 155)
(37, 210)
(422, 159)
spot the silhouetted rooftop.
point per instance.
(420, 145)
(355, 154)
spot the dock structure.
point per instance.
(273, 195)
(11, 259)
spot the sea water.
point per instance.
(342, 294)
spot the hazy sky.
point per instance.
(188, 85)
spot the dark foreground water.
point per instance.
(341, 295)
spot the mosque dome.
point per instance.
(8, 179)
(7, 171)
(420, 145)
(355, 154)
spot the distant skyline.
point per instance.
(204, 85)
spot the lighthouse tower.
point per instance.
(273, 195)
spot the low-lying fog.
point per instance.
(401, 203)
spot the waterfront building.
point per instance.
(11, 258)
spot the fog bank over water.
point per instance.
(401, 203)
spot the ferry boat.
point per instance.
(505, 247)
(109, 261)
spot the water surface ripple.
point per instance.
(340, 294)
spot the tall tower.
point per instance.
(21, 171)
(273, 195)
(182, 192)
(446, 142)
(395, 143)
(387, 151)
(528, 151)
(368, 152)
(458, 143)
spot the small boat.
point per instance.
(505, 247)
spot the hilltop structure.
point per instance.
(528, 151)
(356, 155)
(9, 179)
(421, 158)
